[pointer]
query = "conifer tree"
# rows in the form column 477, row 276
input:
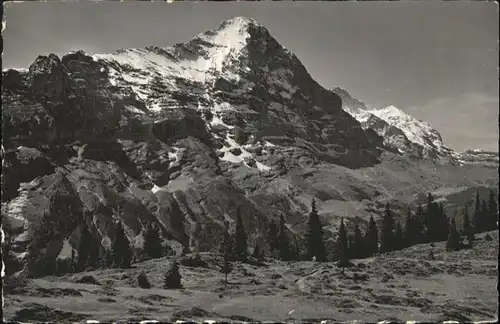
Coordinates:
column 443, row 223
column 107, row 258
column 371, row 238
column 398, row 237
column 172, row 279
column 84, row 248
column 94, row 248
column 226, row 252
column 196, row 236
column 227, row 243
column 420, row 231
column 428, row 208
column 409, row 231
column 440, row 223
column 73, row 261
column 467, row 229
column 122, row 254
column 477, row 217
column 273, row 237
column 350, row 247
column 485, row 214
column 294, row 250
column 358, row 242
column 453, row 242
column 257, row 252
column 431, row 219
column 240, row 244
column 314, row 235
column 102, row 257
column 142, row 280
column 342, row 252
column 152, row 243
column 492, row 211
column 283, row 241
column 387, row 231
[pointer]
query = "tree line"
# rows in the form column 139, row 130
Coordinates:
column 428, row 223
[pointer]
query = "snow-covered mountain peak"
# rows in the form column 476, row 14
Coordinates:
column 238, row 23
column 400, row 130
column 398, row 116
column 232, row 33
column 239, row 51
column 416, row 130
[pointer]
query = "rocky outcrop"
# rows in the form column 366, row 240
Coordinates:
column 23, row 165
column 44, row 214
column 48, row 78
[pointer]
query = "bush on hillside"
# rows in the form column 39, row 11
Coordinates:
column 142, row 280
column 172, row 278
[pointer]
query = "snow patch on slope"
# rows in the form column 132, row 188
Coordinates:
column 134, row 109
column 230, row 157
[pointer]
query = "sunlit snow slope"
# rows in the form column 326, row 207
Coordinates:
column 400, row 130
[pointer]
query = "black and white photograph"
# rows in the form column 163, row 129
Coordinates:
column 250, row 161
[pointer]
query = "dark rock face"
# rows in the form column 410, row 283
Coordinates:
column 47, row 78
column 23, row 165
column 290, row 103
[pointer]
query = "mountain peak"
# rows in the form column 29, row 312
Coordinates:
column 391, row 108
column 230, row 36
column 238, row 22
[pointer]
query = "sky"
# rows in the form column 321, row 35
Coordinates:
column 437, row 61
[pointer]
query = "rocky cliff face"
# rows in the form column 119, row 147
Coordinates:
column 182, row 135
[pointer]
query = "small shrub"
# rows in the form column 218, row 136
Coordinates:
column 172, row 277
column 362, row 265
column 360, row 276
column 386, row 277
column 142, row 280
column 108, row 288
column 488, row 237
column 88, row 279
column 195, row 262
